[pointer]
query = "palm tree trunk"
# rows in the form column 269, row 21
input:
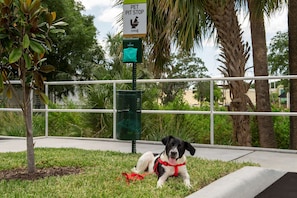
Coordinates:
column 265, row 123
column 292, row 20
column 234, row 57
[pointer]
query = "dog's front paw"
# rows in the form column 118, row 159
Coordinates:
column 160, row 184
column 134, row 170
column 187, row 184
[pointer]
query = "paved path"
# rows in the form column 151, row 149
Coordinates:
column 278, row 159
column 274, row 162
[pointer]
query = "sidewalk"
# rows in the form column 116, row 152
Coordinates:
column 278, row 159
column 274, row 162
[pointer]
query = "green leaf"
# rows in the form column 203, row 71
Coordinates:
column 47, row 68
column 24, row 6
column 4, row 60
column 48, row 44
column 42, row 24
column 41, row 60
column 55, row 31
column 60, row 23
column 2, row 36
column 27, row 61
column 28, row 79
column 44, row 98
column 15, row 55
column 37, row 47
column 35, row 5
column 26, row 41
column 41, row 36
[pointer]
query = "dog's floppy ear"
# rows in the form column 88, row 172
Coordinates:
column 166, row 139
column 190, row 148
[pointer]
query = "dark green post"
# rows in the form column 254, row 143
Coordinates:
column 132, row 53
column 134, row 88
column 134, row 25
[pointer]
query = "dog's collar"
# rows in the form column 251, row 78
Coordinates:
column 168, row 164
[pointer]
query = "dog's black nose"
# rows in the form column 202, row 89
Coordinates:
column 173, row 153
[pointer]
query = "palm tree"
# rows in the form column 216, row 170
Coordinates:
column 158, row 41
column 265, row 123
column 187, row 22
column 292, row 22
column 234, row 57
column 198, row 21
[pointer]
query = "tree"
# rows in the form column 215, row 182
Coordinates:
column 292, row 23
column 72, row 51
column 265, row 123
column 181, row 65
column 202, row 92
column 24, row 41
column 278, row 57
column 234, row 56
column 114, row 44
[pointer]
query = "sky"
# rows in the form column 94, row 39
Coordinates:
column 106, row 22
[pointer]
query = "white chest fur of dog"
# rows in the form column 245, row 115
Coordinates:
column 171, row 162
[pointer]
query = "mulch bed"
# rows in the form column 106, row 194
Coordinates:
column 22, row 174
column 285, row 187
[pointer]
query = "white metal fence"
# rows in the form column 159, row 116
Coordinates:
column 211, row 112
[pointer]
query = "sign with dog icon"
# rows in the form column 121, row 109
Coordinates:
column 134, row 18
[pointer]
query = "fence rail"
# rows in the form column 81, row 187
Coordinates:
column 211, row 112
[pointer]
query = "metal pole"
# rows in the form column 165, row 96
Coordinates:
column 114, row 110
column 211, row 113
column 46, row 112
column 134, row 88
column 134, row 77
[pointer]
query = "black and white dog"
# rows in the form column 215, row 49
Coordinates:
column 171, row 162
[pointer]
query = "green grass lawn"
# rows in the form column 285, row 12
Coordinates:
column 101, row 175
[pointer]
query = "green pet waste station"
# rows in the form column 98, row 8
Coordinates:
column 128, row 102
column 128, row 115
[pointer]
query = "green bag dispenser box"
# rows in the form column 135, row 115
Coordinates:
column 132, row 50
column 128, row 115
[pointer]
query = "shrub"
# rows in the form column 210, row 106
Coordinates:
column 67, row 124
column 192, row 127
column 12, row 124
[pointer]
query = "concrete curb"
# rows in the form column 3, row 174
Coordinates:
column 246, row 182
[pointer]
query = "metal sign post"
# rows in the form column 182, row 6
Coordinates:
column 134, row 23
column 134, row 88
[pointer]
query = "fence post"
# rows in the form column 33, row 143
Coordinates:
column 114, row 110
column 46, row 112
column 211, row 113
